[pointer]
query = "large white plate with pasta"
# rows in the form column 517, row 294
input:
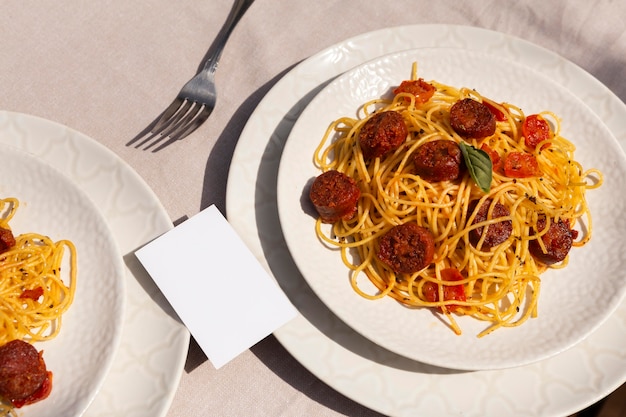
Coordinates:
column 81, row 355
column 145, row 372
column 573, row 302
column 335, row 353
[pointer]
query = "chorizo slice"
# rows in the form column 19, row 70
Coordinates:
column 496, row 233
column 439, row 160
column 557, row 241
column 472, row 119
column 335, row 196
column 383, row 133
column 22, row 371
column 7, row 240
column 407, row 248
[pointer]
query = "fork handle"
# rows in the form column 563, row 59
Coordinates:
column 237, row 11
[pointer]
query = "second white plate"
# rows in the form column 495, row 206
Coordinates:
column 574, row 301
column 146, row 370
column 335, row 353
column 81, row 355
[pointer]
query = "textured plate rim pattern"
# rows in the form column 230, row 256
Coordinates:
column 150, row 356
column 83, row 352
column 419, row 335
column 367, row 375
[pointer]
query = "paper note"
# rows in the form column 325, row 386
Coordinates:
column 220, row 291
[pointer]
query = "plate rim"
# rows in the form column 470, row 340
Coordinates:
column 134, row 298
column 289, row 220
column 289, row 336
column 119, row 307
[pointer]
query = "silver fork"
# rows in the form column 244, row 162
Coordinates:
column 196, row 100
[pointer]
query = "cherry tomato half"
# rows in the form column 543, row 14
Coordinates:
column 521, row 165
column 535, row 130
column 422, row 90
column 496, row 161
column 450, row 292
column 500, row 116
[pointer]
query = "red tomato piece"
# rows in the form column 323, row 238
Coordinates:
column 535, row 130
column 499, row 114
column 496, row 161
column 422, row 90
column 521, row 165
column 430, row 291
column 450, row 292
column 33, row 294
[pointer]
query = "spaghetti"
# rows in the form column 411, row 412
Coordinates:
column 534, row 181
column 33, row 292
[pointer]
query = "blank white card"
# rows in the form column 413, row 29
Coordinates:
column 220, row 291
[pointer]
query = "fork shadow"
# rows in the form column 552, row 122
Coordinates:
column 147, row 138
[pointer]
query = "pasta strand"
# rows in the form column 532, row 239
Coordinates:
column 502, row 284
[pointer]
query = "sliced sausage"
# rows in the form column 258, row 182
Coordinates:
column 335, row 196
column 439, row 160
column 382, row 133
column 472, row 119
column 497, row 232
column 22, row 371
column 407, row 248
column 557, row 240
column 7, row 240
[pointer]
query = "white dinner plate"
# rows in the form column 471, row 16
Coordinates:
column 574, row 301
column 148, row 365
column 81, row 355
column 339, row 356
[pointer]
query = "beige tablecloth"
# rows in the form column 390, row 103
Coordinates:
column 108, row 68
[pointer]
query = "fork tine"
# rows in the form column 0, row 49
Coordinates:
column 167, row 124
column 196, row 122
column 191, row 126
column 151, row 141
column 146, row 140
column 173, row 118
column 168, row 113
column 165, row 115
column 191, row 123
column 179, row 121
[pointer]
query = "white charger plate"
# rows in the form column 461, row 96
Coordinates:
column 82, row 353
column 335, row 353
column 574, row 301
column 146, row 370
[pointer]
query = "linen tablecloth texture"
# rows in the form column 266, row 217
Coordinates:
column 108, row 68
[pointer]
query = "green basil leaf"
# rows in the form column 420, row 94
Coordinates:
column 479, row 164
